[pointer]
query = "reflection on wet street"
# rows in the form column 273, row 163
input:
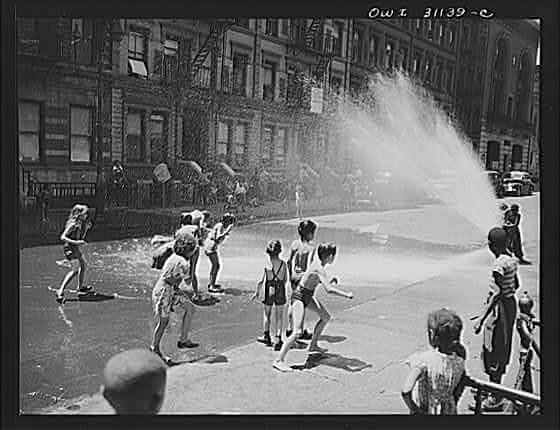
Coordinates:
column 63, row 348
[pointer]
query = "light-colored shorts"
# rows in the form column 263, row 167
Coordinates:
column 165, row 299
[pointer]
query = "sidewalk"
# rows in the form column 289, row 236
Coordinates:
column 362, row 372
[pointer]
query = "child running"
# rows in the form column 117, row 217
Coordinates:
column 303, row 298
column 498, row 316
column 168, row 297
column 215, row 238
column 301, row 256
column 134, row 382
column 274, row 280
column 75, row 231
column 437, row 376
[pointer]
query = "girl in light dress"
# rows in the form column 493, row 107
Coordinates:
column 437, row 377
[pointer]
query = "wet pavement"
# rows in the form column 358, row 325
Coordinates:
column 63, row 348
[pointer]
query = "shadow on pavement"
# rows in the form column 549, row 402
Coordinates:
column 333, row 360
column 95, row 297
column 235, row 292
column 206, row 300
column 332, row 339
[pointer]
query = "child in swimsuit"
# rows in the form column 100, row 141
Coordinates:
column 274, row 281
column 303, row 298
column 215, row 238
column 301, row 256
column 77, row 225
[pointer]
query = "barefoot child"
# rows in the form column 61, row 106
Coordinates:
column 525, row 325
column 215, row 238
column 301, row 256
column 168, row 297
column 437, row 375
column 498, row 316
column 75, row 231
column 134, row 382
column 274, row 281
column 303, row 298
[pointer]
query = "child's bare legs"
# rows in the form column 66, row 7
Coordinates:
column 279, row 321
column 215, row 268
column 81, row 273
column 160, row 326
column 186, row 323
column 298, row 312
column 69, row 276
column 266, row 318
column 324, row 318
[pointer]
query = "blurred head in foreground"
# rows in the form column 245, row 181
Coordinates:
column 134, row 382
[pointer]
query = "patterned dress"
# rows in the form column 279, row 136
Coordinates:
column 440, row 375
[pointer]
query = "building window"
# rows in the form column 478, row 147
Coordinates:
column 223, row 132
column 356, row 45
column 29, row 128
column 266, row 147
column 516, row 156
column 338, row 38
column 389, row 54
column 466, row 36
column 336, row 85
column 170, row 55
column 418, row 26
column 416, row 63
column 269, row 81
column 449, row 79
column 441, row 34
column 372, row 50
column 430, row 29
column 137, row 54
column 242, row 22
column 240, row 64
column 403, row 57
column 134, row 136
column 82, row 41
column 510, row 107
column 452, row 37
column 271, row 27
column 239, row 140
column 428, row 70
column 158, row 141
column 281, row 147
column 81, row 131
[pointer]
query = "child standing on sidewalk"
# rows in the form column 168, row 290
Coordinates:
column 436, row 375
column 274, row 281
column 498, row 316
column 525, row 325
column 168, row 297
column 73, row 236
column 301, row 256
column 215, row 238
column 303, row 298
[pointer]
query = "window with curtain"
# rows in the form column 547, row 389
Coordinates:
column 81, row 132
column 29, row 130
column 134, row 136
column 223, row 132
column 269, row 80
column 239, row 139
column 266, row 146
column 158, row 141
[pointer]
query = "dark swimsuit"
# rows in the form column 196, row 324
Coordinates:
column 73, row 252
column 274, row 290
column 304, row 295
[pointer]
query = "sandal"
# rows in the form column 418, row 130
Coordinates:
column 85, row 290
column 281, row 366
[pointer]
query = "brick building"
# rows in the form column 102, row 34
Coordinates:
column 495, row 84
column 250, row 93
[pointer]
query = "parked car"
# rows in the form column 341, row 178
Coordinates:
column 496, row 182
column 518, row 183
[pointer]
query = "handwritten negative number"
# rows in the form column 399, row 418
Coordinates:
column 450, row 12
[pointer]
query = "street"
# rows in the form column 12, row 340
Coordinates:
column 381, row 255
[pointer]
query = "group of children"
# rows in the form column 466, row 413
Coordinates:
column 304, row 271
column 437, row 377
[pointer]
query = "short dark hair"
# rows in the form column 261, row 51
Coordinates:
column 497, row 236
column 274, row 247
column 186, row 218
column 306, row 227
column 228, row 218
column 324, row 250
column 446, row 327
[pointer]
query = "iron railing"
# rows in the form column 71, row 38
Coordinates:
column 524, row 402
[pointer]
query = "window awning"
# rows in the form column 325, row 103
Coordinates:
column 307, row 169
column 137, row 67
column 193, row 165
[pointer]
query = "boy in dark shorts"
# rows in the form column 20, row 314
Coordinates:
column 498, row 316
column 301, row 256
column 304, row 298
column 134, row 382
column 512, row 218
column 274, row 281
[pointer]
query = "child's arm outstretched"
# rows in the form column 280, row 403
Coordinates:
column 407, row 388
column 331, row 289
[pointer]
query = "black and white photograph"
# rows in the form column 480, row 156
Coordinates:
column 284, row 215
